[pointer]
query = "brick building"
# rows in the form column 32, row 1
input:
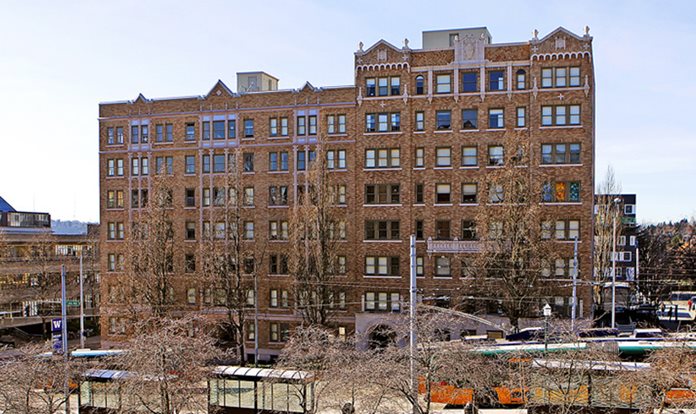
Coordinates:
column 408, row 145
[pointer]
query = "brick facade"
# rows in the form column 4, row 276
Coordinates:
column 559, row 51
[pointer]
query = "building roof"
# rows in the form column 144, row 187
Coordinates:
column 5, row 206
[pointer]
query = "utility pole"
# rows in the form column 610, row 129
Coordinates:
column 256, row 319
column 82, row 307
column 64, row 336
column 575, row 285
column 412, row 325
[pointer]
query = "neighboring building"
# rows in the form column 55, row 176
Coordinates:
column 409, row 143
column 626, row 235
column 30, row 260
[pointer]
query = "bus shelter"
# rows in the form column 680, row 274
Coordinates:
column 243, row 390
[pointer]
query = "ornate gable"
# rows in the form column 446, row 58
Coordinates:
column 219, row 89
column 561, row 44
column 382, row 55
column 140, row 99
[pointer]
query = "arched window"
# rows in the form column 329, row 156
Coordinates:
column 420, row 85
column 521, row 79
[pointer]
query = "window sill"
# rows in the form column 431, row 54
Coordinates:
column 562, row 203
column 443, row 168
column 419, row 132
column 560, row 165
column 468, row 204
column 383, row 205
column 278, row 240
column 418, row 168
column 337, row 134
column 282, row 206
column 248, row 173
column 521, row 128
column 189, row 207
column 443, row 131
column 381, row 277
column 278, row 172
column 279, row 137
column 115, row 209
column 560, row 127
column 337, row 169
column 419, row 205
column 442, row 277
column 495, row 166
column 472, row 167
column 470, row 130
column 383, row 169
column 495, row 129
column 376, row 133
column 443, row 205
column 383, row 241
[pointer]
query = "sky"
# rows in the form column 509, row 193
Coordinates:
column 59, row 59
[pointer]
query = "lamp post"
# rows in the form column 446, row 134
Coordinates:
column 547, row 313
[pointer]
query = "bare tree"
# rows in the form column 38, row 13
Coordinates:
column 167, row 367
column 150, row 250
column 231, row 259
column 513, row 254
column 33, row 381
column 315, row 229
column 607, row 214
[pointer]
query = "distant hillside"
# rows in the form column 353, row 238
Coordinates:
column 69, row 227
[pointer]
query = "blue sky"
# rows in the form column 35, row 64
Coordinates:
column 58, row 60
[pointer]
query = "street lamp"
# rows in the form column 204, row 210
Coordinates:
column 616, row 202
column 547, row 313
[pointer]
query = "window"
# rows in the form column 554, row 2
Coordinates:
column 443, row 84
column 219, row 163
column 469, row 193
column 232, row 129
column 469, row 82
column 443, row 157
column 632, row 240
column 382, row 158
column 205, row 197
column 220, row 230
column 521, row 79
column 622, row 241
column 560, row 153
column 469, row 156
column 301, row 125
column 218, row 129
column 420, row 197
column 496, row 193
column 420, row 121
column 336, row 124
column 250, row 332
column 144, row 166
column 420, row 266
column 496, row 118
column 164, row 165
column 338, row 194
column 248, row 196
column 115, row 231
column 560, row 191
column 336, row 159
column 273, row 127
column 248, row 161
column 470, row 118
column 278, row 264
column 382, row 230
column 114, row 199
column 420, row 85
column 419, row 230
column 206, row 164
column 190, row 230
column 382, row 302
column 190, row 164
column 444, row 120
column 419, row 161
column 206, row 130
column 110, row 135
column 278, row 230
column 443, row 193
column 496, row 81
column 248, row 128
column 567, row 229
column 370, row 87
column 560, row 77
column 560, row 115
column 468, row 230
column 496, row 155
column 278, row 195
column 629, row 209
column 190, row 197
column 395, row 85
column 278, row 161
column 135, row 130
column 383, row 122
column 382, row 194
column 442, row 230
column 521, row 117
column 382, row 86
column 442, row 266
column 249, row 230
column 382, row 266
column 280, row 332
column 495, row 230
column 190, row 132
